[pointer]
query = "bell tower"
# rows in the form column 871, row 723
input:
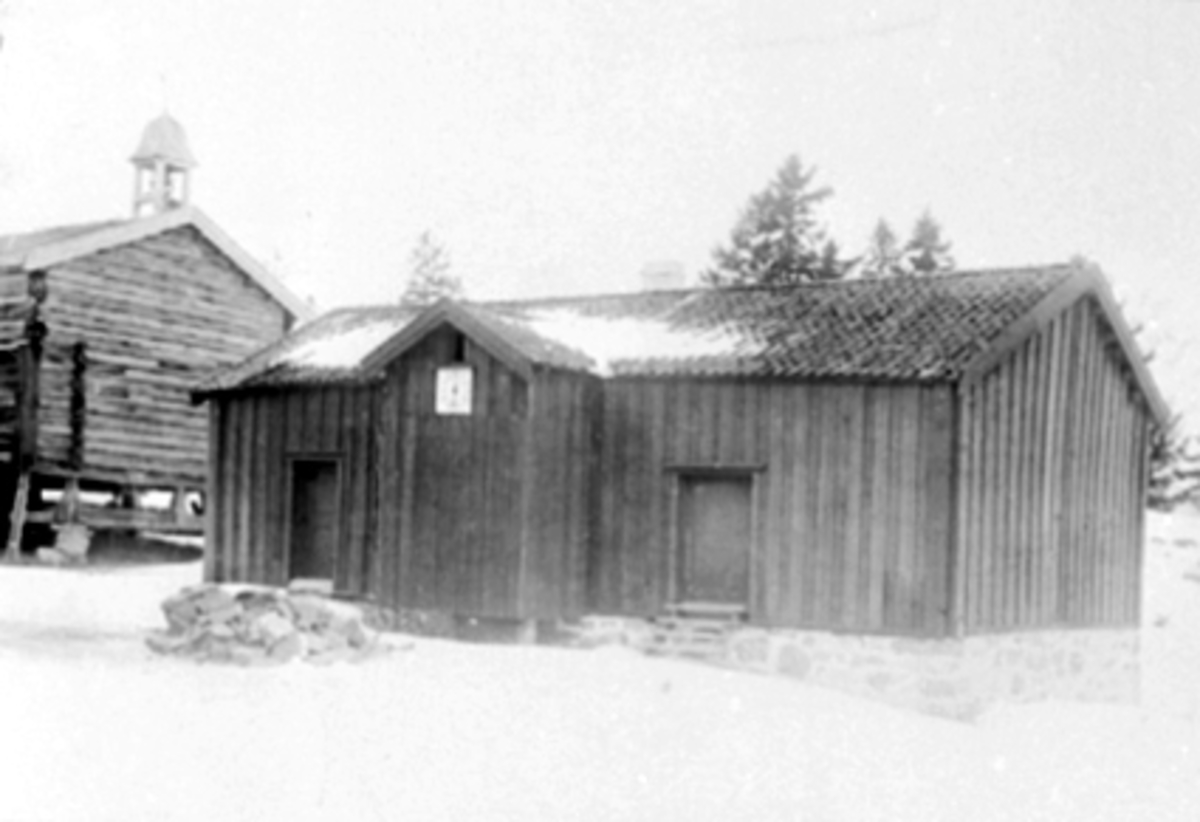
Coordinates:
column 162, row 167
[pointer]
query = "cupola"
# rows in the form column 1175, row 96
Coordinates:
column 162, row 166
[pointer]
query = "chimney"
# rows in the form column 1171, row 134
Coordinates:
column 162, row 165
column 663, row 275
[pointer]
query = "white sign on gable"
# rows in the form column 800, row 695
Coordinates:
column 454, row 390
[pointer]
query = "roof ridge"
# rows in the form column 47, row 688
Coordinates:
column 1047, row 268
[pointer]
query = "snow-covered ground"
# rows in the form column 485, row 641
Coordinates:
column 93, row 727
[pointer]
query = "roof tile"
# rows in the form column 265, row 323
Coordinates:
column 908, row 329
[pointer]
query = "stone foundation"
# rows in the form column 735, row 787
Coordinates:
column 956, row 678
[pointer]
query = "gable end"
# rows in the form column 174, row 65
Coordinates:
column 1088, row 284
column 447, row 313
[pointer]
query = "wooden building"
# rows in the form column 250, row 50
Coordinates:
column 929, row 457
column 104, row 328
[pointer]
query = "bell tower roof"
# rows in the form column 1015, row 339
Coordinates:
column 164, row 139
column 162, row 167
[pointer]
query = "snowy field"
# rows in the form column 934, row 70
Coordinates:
column 93, row 727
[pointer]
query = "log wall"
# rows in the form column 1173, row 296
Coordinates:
column 1052, row 479
column 10, row 395
column 156, row 315
column 852, row 484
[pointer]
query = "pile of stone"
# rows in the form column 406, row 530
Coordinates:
column 70, row 546
column 252, row 625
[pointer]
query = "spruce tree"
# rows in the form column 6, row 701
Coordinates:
column 1174, row 469
column 778, row 239
column 429, row 278
column 883, row 257
column 926, row 253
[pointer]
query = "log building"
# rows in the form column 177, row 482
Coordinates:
column 104, row 327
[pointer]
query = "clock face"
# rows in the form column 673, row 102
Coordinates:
column 454, row 390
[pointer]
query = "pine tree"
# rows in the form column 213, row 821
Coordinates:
column 1174, row 469
column 832, row 265
column 883, row 257
column 777, row 240
column 926, row 253
column 429, row 278
column 1174, row 456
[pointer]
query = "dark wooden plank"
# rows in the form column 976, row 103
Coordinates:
column 727, row 423
column 1033, row 396
column 936, row 512
column 1118, row 477
column 259, row 490
column 1111, row 429
column 1066, row 595
column 654, row 488
column 213, row 510
column 1003, row 545
column 611, row 553
column 392, row 472
column 850, row 511
column 411, row 567
column 275, row 480
column 867, row 511
column 992, row 580
column 803, row 527
column 581, row 480
column 1087, row 512
column 964, row 512
column 230, row 450
column 779, row 605
column 1128, row 496
column 1035, row 460
column 821, row 444
column 244, row 488
column 1013, row 508
column 1055, row 444
column 970, row 548
column 911, row 566
column 883, row 494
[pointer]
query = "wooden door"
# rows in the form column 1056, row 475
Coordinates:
column 715, row 534
column 314, row 518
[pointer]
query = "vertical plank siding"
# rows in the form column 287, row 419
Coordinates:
column 820, row 556
column 1050, row 484
column 558, row 535
column 254, row 437
column 1008, row 502
column 487, row 514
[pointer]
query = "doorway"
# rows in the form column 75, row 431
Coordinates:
column 715, row 533
column 315, row 515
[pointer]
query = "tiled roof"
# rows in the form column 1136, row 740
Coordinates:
column 905, row 329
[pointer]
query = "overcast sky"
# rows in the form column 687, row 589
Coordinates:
column 555, row 147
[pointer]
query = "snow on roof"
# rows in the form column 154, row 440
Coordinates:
column 344, row 349
column 327, row 349
column 607, row 340
column 49, row 247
